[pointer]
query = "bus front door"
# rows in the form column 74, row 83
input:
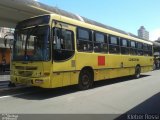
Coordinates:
column 63, row 55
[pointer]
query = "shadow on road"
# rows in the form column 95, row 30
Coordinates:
column 144, row 110
column 41, row 94
column 116, row 80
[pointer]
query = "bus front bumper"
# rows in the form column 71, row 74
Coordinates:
column 43, row 82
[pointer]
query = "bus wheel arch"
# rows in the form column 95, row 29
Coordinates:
column 86, row 78
column 137, row 71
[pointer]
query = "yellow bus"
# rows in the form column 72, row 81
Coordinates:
column 55, row 50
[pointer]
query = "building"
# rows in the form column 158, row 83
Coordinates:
column 158, row 40
column 6, row 37
column 143, row 33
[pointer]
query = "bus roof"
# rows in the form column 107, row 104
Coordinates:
column 90, row 24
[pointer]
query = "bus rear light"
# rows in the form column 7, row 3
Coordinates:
column 38, row 81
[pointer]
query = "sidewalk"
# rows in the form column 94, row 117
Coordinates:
column 4, row 76
column 5, row 73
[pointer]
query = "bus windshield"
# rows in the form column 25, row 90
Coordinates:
column 31, row 44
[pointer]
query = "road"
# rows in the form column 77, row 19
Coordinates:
column 116, row 96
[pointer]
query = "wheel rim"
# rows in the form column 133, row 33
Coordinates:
column 85, row 80
column 138, row 73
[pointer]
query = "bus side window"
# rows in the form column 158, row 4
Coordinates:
column 140, row 48
column 145, row 50
column 150, row 50
column 114, row 45
column 100, row 43
column 84, row 40
column 133, row 50
column 63, row 44
column 124, row 46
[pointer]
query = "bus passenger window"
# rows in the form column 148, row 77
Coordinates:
column 140, row 49
column 133, row 50
column 124, row 46
column 114, row 45
column 150, row 50
column 84, row 40
column 145, row 50
column 100, row 43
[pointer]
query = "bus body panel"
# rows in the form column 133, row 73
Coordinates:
column 64, row 73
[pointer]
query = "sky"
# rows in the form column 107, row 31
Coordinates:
column 127, row 15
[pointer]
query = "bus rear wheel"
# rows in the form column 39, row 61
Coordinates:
column 137, row 72
column 85, row 80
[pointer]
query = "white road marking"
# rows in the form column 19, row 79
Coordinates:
column 7, row 96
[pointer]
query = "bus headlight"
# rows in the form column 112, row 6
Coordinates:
column 38, row 81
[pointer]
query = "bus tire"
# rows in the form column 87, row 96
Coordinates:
column 85, row 79
column 137, row 72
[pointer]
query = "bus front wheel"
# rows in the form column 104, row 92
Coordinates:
column 85, row 79
column 137, row 72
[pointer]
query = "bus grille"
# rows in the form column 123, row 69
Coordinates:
column 26, row 68
column 25, row 73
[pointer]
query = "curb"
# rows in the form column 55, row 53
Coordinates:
column 6, row 81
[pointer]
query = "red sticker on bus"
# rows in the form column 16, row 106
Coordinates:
column 101, row 60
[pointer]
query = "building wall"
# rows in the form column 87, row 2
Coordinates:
column 5, row 52
column 143, row 33
column 4, row 31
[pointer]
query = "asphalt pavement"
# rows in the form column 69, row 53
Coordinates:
column 4, row 79
column 5, row 76
column 116, row 96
